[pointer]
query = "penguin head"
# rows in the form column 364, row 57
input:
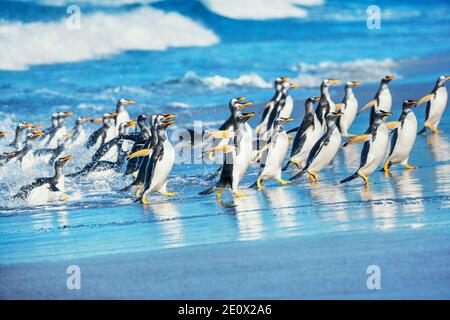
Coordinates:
column 409, row 104
column 281, row 121
column 232, row 103
column 332, row 116
column 329, row 82
column 380, row 115
column 279, row 81
column 351, row 84
column 124, row 102
column 32, row 136
column 61, row 161
column 243, row 117
column 141, row 120
column 24, row 125
column 441, row 80
column 387, row 79
column 285, row 86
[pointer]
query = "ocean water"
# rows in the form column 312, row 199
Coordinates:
column 190, row 58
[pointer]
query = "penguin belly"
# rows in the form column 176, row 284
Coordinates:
column 349, row 115
column 163, row 168
column 385, row 101
column 111, row 154
column 27, row 162
column 406, row 136
column 437, row 107
column 376, row 151
column 80, row 138
column 275, row 157
column 327, row 153
column 242, row 159
column 38, row 195
column 122, row 117
column 286, row 111
column 312, row 136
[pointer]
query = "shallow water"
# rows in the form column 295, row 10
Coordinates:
column 196, row 83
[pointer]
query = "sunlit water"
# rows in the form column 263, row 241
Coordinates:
column 196, row 83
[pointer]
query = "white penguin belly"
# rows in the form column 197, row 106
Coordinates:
column 385, row 101
column 406, row 136
column 437, row 107
column 38, row 195
column 275, row 157
column 163, row 168
column 349, row 114
column 376, row 151
column 287, row 109
column 122, row 117
column 327, row 153
column 312, row 136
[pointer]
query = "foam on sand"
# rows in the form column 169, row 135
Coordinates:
column 260, row 10
column 101, row 34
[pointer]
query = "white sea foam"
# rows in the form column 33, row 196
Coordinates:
column 364, row 70
column 100, row 35
column 260, row 10
column 217, row 81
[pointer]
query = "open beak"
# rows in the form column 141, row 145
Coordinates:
column 241, row 98
column 294, row 85
column 249, row 103
column 356, row 83
column 285, row 79
column 168, row 123
column 389, row 77
column 169, row 116
column 338, row 114
column 65, row 159
column 248, row 115
column 131, row 123
column 334, row 81
column 387, row 113
column 37, row 134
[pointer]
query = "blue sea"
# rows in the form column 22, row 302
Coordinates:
column 190, row 58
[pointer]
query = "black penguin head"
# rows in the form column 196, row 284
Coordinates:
column 387, row 79
column 141, row 120
column 238, row 104
column 409, row 104
column 441, row 80
column 332, row 116
column 285, row 86
column 329, row 82
column 380, row 115
column 234, row 102
column 351, row 84
column 279, row 81
column 24, row 125
column 61, row 161
column 32, row 136
column 124, row 102
column 281, row 121
column 243, row 117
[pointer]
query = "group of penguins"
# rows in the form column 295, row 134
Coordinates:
column 148, row 155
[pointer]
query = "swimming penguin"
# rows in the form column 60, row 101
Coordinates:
column 122, row 114
column 17, row 142
column 45, row 190
column 79, row 132
column 48, row 132
column 237, row 157
column 49, row 155
column 375, row 143
column 25, row 155
column 348, row 108
column 324, row 150
column 436, row 104
column 403, row 137
column 272, row 158
column 100, row 135
column 160, row 164
column 261, row 128
column 382, row 100
column 60, row 131
column 307, row 135
column 326, row 104
column 141, row 139
column 110, row 146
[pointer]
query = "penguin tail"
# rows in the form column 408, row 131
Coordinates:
column 253, row 185
column 424, row 129
column 298, row 175
column 128, row 187
column 353, row 176
column 208, row 191
column 215, row 174
column 286, row 166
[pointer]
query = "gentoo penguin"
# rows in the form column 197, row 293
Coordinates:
column 141, row 139
column 375, row 143
column 238, row 154
column 326, row 104
column 403, row 137
column 48, row 132
column 79, row 133
column 101, row 134
column 348, row 108
column 382, row 100
column 25, row 155
column 261, row 128
column 17, row 142
column 307, row 135
column 122, row 114
column 437, row 102
column 60, row 131
column 323, row 150
column 160, row 164
column 44, row 190
column 272, row 158
column 112, row 151
column 49, row 155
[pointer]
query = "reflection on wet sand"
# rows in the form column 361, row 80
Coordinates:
column 283, row 204
column 440, row 151
column 331, row 196
column 408, row 187
column 382, row 205
column 248, row 214
column 63, row 221
column 168, row 217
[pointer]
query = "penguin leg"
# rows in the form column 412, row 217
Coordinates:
column 387, row 166
column 237, row 194
column 434, row 129
column 258, row 184
column 365, row 178
column 219, row 193
column 313, row 177
column 297, row 163
column 139, row 190
column 144, row 198
column 280, row 180
column 407, row 166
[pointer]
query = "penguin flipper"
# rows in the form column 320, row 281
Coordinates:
column 353, row 176
column 208, row 191
column 292, row 130
column 424, row 130
column 298, row 175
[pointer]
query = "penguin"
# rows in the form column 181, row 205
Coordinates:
column 326, row 104
column 160, row 164
column 348, row 108
column 2, row 134
column 403, row 137
column 48, row 132
column 375, row 141
column 111, row 150
column 79, row 133
column 262, row 126
column 382, row 100
column 101, row 134
column 60, row 131
column 122, row 114
column 436, row 104
column 144, row 135
column 307, row 135
column 25, row 155
column 324, row 150
column 272, row 158
column 17, row 143
column 45, row 190
column 237, row 155
column 49, row 155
